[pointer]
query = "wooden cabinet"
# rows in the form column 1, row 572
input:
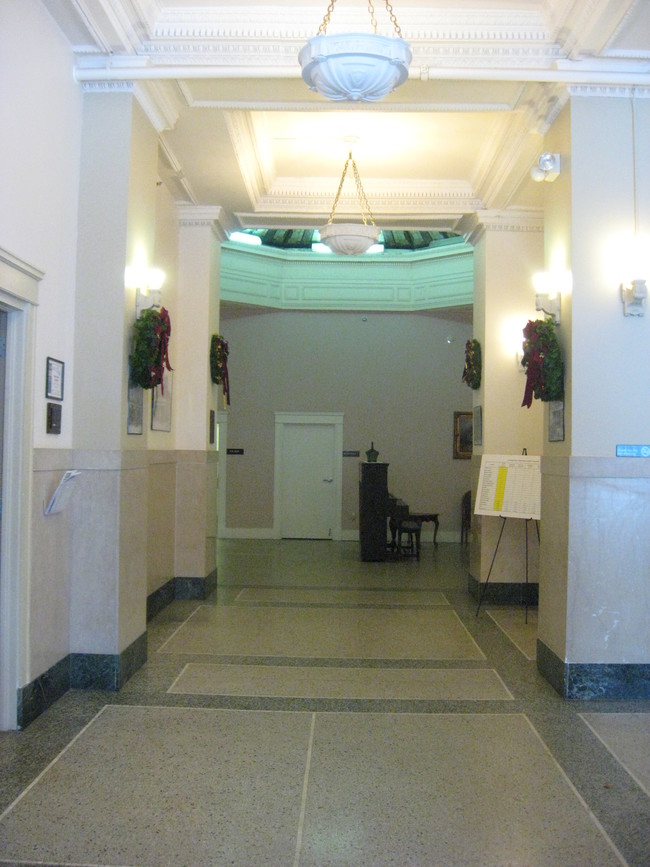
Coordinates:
column 373, row 510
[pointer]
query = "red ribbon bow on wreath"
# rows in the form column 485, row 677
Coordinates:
column 162, row 329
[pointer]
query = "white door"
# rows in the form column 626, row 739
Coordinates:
column 308, row 479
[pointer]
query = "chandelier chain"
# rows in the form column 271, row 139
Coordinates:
column 373, row 20
column 366, row 213
column 365, row 207
column 393, row 19
column 322, row 30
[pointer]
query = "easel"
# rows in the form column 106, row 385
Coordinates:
column 509, row 486
column 484, row 588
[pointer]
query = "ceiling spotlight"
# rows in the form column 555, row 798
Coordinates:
column 547, row 167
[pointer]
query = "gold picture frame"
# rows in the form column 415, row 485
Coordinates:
column 463, row 433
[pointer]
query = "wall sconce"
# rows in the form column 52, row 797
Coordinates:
column 549, row 304
column 147, row 282
column 547, row 298
column 633, row 296
column 547, row 167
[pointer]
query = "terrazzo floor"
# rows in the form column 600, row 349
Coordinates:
column 317, row 710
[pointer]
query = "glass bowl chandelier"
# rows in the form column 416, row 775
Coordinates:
column 351, row 239
column 358, row 67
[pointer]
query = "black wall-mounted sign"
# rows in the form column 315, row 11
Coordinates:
column 234, row 451
column 351, row 453
column 53, row 423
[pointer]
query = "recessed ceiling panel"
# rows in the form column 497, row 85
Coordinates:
column 400, row 145
column 414, row 95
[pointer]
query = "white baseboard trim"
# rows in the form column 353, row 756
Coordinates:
column 448, row 536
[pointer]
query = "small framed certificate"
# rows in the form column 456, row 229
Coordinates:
column 54, row 379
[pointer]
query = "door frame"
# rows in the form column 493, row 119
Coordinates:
column 18, row 297
column 222, row 447
column 282, row 420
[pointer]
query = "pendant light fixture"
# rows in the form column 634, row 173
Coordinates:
column 360, row 67
column 351, row 239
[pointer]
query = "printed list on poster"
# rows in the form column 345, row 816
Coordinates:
column 509, row 486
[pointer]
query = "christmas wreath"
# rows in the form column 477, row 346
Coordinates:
column 542, row 361
column 150, row 354
column 219, row 364
column 472, row 370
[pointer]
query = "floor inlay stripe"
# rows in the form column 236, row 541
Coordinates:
column 314, row 596
column 627, row 737
column 341, row 683
column 365, row 633
column 512, row 622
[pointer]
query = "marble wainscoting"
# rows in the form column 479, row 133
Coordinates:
column 103, row 671
column 593, row 638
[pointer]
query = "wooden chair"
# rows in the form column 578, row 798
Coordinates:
column 465, row 517
column 408, row 539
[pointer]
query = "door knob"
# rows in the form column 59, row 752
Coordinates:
column 328, row 480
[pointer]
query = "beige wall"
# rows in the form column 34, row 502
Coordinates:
column 395, row 377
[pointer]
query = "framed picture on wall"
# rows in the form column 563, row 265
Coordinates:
column 54, row 379
column 135, row 410
column 556, row 421
column 161, row 405
column 463, row 433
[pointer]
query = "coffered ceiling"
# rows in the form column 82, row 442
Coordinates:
column 240, row 131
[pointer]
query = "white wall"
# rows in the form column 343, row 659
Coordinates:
column 39, row 153
column 396, row 379
column 594, row 595
column 609, row 351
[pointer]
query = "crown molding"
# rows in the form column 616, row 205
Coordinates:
column 611, row 91
column 474, row 226
column 256, row 173
column 106, row 86
column 589, row 27
column 417, row 200
column 158, row 104
column 213, row 217
column 302, row 22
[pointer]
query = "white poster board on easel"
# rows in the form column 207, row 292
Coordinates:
column 509, row 486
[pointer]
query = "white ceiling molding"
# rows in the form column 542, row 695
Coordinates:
column 158, row 102
column 238, row 130
column 400, row 204
column 213, row 216
column 255, row 167
column 172, row 174
column 614, row 92
column 473, row 226
column 588, row 27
